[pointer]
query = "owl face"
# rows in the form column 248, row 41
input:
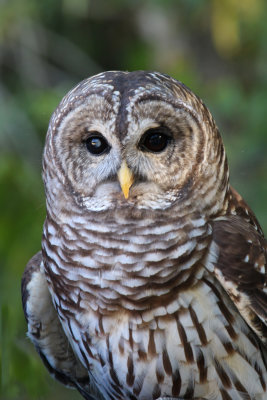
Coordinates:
column 127, row 140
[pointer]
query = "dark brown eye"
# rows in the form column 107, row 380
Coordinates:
column 155, row 140
column 96, row 144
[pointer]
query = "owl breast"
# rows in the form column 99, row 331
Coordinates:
column 127, row 263
column 140, row 310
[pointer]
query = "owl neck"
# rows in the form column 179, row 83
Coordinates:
column 124, row 260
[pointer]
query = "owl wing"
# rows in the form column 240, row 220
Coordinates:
column 46, row 332
column 238, row 258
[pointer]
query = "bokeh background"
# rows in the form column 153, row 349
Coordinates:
column 218, row 48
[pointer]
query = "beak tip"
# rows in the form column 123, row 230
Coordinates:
column 126, row 193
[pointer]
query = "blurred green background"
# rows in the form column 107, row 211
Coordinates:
column 218, row 48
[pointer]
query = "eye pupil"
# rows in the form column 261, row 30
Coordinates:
column 154, row 140
column 96, row 144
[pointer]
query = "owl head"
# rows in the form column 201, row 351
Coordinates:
column 134, row 140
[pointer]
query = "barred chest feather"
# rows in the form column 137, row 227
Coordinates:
column 144, row 315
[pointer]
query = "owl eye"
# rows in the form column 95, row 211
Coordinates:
column 96, row 144
column 155, row 140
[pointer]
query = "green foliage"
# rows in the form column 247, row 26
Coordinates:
column 217, row 48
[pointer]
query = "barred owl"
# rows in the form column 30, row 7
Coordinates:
column 151, row 282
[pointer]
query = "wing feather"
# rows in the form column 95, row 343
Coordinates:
column 46, row 332
column 239, row 254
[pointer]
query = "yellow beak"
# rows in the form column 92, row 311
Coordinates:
column 126, row 179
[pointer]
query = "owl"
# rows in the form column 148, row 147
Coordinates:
column 151, row 281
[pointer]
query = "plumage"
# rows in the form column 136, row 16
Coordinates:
column 151, row 283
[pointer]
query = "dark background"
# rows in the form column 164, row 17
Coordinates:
column 218, row 48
